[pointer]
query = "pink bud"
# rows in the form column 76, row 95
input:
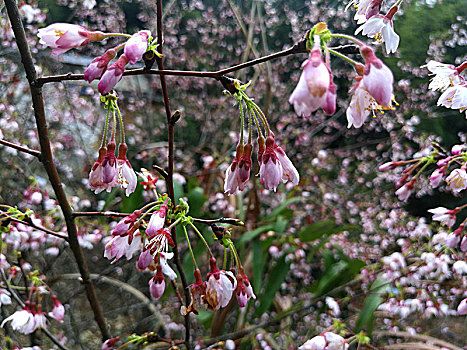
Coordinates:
column 464, row 244
column 388, row 166
column 112, row 76
column 437, row 176
column 136, row 46
column 157, row 284
column 457, row 149
column 58, row 311
column 98, row 66
column 462, row 308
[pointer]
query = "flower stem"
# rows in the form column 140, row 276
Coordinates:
column 348, row 37
column 122, row 127
column 108, row 35
column 202, row 238
column 189, row 248
column 106, row 127
column 344, row 57
column 241, row 121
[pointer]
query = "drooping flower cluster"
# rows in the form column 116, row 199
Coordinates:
column 372, row 92
column 274, row 164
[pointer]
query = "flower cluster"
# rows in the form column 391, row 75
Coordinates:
column 448, row 79
column 377, row 26
column 372, row 92
column 325, row 341
column 274, row 164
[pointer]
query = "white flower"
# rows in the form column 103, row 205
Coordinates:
column 381, row 28
column 166, row 269
column 315, row 343
column 445, row 75
column 455, row 97
column 21, row 321
column 443, row 215
column 457, row 180
column 333, row 305
column 4, row 297
column 219, row 289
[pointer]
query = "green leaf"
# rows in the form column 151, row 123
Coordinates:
column 258, row 266
column 178, row 191
column 196, row 200
column 133, row 202
column 252, row 234
column 276, row 277
column 282, row 207
column 372, row 301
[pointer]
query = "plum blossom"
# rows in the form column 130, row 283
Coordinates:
column 457, row 180
column 136, row 46
column 326, row 341
column 166, row 269
column 160, row 241
column 220, row 287
column 5, row 298
column 103, row 175
column 365, row 9
column 112, row 75
column 455, row 97
column 381, row 28
column 314, row 89
column 126, row 223
column 333, row 305
column 98, row 66
column 445, row 75
column 445, row 216
column 61, row 37
column 404, row 192
column 437, row 176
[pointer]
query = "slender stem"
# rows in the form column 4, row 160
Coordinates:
column 241, row 121
column 106, row 127
column 348, row 37
column 202, row 238
column 48, row 162
column 108, row 35
column 122, row 127
column 224, row 267
column 235, row 254
column 114, row 124
column 22, row 149
column 189, row 248
column 250, row 128
column 258, row 126
column 344, row 57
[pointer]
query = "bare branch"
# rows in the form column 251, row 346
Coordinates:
column 43, row 229
column 22, row 149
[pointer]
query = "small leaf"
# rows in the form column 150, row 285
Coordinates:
column 372, row 301
column 276, row 277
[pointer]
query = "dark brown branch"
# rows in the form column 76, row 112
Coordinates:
column 48, row 163
column 170, row 169
column 20, row 303
column 43, row 229
column 299, row 47
column 32, row 152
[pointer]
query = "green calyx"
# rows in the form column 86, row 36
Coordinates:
column 320, row 29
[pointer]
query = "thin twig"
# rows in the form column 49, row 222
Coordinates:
column 170, row 168
column 21, row 303
column 48, row 162
column 32, row 152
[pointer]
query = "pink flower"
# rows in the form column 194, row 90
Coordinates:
column 361, row 104
column 161, row 241
column 109, row 344
column 437, row 176
column 157, row 284
column 462, row 308
column 5, row 298
column 126, row 223
column 455, row 97
column 457, row 149
column 405, row 191
column 103, row 175
column 457, row 180
column 119, row 246
column 365, row 9
column 220, row 287
column 329, row 106
column 62, row 37
column 377, row 78
column 452, row 240
column 144, row 260
column 311, row 91
column 445, row 216
column 98, row 66
column 58, row 311
column 40, row 321
column 381, row 28
column 136, row 46
column 166, row 269
column 112, row 75
column 464, row 244
column 238, row 174
column 270, row 171
column 275, row 165
column 389, row 166
column 333, row 305
column 157, row 220
column 126, row 175
column 244, row 290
